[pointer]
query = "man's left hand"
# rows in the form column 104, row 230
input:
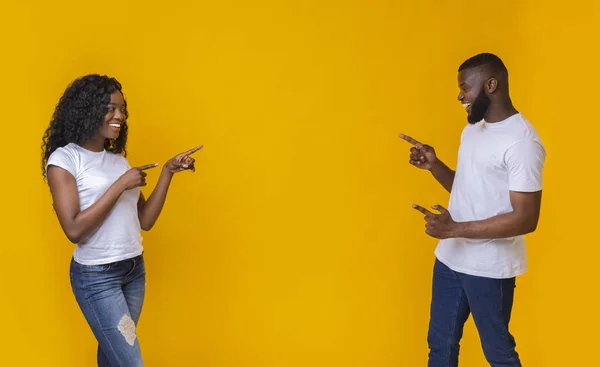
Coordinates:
column 438, row 225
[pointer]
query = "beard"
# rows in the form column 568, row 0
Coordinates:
column 479, row 108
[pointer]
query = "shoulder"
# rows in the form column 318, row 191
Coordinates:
column 66, row 157
column 524, row 134
column 520, row 129
column 63, row 151
column 525, row 145
column 68, row 153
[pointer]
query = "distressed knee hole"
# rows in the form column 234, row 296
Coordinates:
column 127, row 328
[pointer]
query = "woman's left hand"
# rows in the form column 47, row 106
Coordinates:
column 183, row 161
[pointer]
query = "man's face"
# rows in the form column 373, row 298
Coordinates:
column 472, row 94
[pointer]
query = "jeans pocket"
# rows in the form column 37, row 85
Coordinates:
column 95, row 269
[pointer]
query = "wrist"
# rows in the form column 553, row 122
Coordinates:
column 435, row 166
column 119, row 186
column 166, row 171
column 460, row 229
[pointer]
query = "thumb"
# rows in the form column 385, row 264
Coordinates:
column 426, row 149
column 423, row 148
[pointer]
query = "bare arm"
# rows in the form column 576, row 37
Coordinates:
column 77, row 224
column 423, row 156
column 443, row 174
column 149, row 210
column 522, row 220
column 525, row 160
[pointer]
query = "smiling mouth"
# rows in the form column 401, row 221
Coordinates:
column 116, row 126
column 467, row 106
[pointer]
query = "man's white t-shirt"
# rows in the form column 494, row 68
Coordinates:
column 118, row 237
column 493, row 159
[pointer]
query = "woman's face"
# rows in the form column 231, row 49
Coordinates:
column 115, row 118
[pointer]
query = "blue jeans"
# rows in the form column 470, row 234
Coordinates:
column 111, row 297
column 454, row 297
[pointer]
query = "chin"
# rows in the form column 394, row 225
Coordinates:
column 471, row 120
column 111, row 135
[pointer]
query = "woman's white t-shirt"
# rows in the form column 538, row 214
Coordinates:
column 118, row 237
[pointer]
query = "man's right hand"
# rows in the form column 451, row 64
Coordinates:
column 421, row 155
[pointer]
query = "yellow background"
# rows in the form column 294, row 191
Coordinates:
column 294, row 244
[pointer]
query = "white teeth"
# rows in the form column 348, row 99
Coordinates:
column 115, row 125
column 466, row 104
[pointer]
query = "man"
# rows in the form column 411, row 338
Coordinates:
column 495, row 197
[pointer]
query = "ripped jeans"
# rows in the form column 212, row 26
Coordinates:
column 111, row 297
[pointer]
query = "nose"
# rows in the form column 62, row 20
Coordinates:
column 118, row 115
column 460, row 96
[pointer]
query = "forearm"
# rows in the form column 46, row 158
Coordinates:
column 153, row 206
column 500, row 226
column 443, row 174
column 89, row 219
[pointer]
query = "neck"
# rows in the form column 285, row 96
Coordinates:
column 500, row 111
column 95, row 144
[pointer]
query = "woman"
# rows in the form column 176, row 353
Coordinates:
column 97, row 199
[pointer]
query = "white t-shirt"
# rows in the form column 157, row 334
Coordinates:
column 119, row 236
column 493, row 159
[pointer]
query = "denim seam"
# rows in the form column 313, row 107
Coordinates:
column 97, row 320
column 504, row 339
column 452, row 334
column 133, row 268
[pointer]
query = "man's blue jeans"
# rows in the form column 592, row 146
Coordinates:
column 454, row 297
column 111, row 297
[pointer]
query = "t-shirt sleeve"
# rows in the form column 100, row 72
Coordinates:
column 126, row 163
column 525, row 162
column 64, row 159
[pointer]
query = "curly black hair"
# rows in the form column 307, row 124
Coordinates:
column 79, row 115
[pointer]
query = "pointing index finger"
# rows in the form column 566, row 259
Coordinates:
column 148, row 166
column 193, row 150
column 409, row 139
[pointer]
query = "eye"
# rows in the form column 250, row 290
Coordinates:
column 111, row 109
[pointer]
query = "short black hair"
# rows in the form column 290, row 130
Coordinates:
column 483, row 59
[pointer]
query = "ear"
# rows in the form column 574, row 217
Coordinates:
column 491, row 85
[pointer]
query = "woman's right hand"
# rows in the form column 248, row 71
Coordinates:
column 135, row 177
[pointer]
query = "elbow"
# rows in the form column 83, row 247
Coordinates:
column 533, row 227
column 73, row 237
column 530, row 226
column 146, row 226
column 74, row 233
